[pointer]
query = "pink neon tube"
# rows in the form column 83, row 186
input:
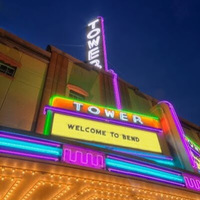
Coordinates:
column 180, row 131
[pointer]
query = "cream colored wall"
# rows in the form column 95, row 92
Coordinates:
column 19, row 96
column 139, row 104
column 86, row 80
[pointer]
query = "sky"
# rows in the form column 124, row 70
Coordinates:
column 154, row 45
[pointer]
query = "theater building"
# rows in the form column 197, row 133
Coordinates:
column 74, row 130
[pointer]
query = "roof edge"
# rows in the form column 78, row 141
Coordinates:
column 22, row 45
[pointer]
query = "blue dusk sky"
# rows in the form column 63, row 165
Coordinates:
column 154, row 45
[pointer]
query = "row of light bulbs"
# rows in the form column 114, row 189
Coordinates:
column 40, row 183
column 86, row 180
column 12, row 189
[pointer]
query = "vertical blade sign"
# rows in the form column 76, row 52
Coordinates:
column 96, row 49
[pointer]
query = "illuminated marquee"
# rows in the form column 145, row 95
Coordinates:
column 95, row 131
column 96, row 50
column 83, row 121
column 108, row 113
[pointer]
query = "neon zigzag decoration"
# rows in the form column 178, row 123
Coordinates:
column 83, row 157
column 192, row 182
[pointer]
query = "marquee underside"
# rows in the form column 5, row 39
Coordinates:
column 30, row 179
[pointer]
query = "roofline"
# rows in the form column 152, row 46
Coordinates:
column 14, row 41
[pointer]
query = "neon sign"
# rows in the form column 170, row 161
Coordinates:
column 83, row 121
column 105, row 112
column 83, row 157
column 96, row 50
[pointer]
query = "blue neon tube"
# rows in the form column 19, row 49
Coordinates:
column 28, row 146
column 116, row 164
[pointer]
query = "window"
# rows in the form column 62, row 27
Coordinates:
column 8, row 70
column 76, row 95
column 76, row 92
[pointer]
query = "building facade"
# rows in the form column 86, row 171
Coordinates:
column 69, row 130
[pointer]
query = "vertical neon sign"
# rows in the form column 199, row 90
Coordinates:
column 96, row 52
column 96, row 46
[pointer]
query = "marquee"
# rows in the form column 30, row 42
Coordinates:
column 89, row 122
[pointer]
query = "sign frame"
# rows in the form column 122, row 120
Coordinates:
column 50, row 111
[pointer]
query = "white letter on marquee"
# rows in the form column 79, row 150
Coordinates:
column 78, row 106
column 93, row 110
column 123, row 116
column 137, row 119
column 109, row 113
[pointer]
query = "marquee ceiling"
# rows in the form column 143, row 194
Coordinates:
column 37, row 180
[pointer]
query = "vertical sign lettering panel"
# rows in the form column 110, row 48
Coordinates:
column 96, row 50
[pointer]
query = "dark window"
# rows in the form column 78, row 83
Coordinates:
column 76, row 95
column 8, row 70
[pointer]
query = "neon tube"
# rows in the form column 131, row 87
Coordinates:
column 104, row 43
column 145, row 176
column 131, row 152
column 116, row 164
column 31, row 155
column 192, row 182
column 160, row 159
column 162, row 162
column 193, row 143
column 16, row 144
column 142, row 154
column 27, row 139
column 83, row 157
column 48, row 121
column 149, row 165
column 195, row 152
column 62, row 111
column 180, row 131
column 116, row 90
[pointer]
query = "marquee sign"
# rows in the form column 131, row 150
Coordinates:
column 105, row 112
column 96, row 48
column 84, row 121
column 95, row 131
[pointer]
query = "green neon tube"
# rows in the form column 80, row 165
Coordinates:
column 194, row 143
column 48, row 122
